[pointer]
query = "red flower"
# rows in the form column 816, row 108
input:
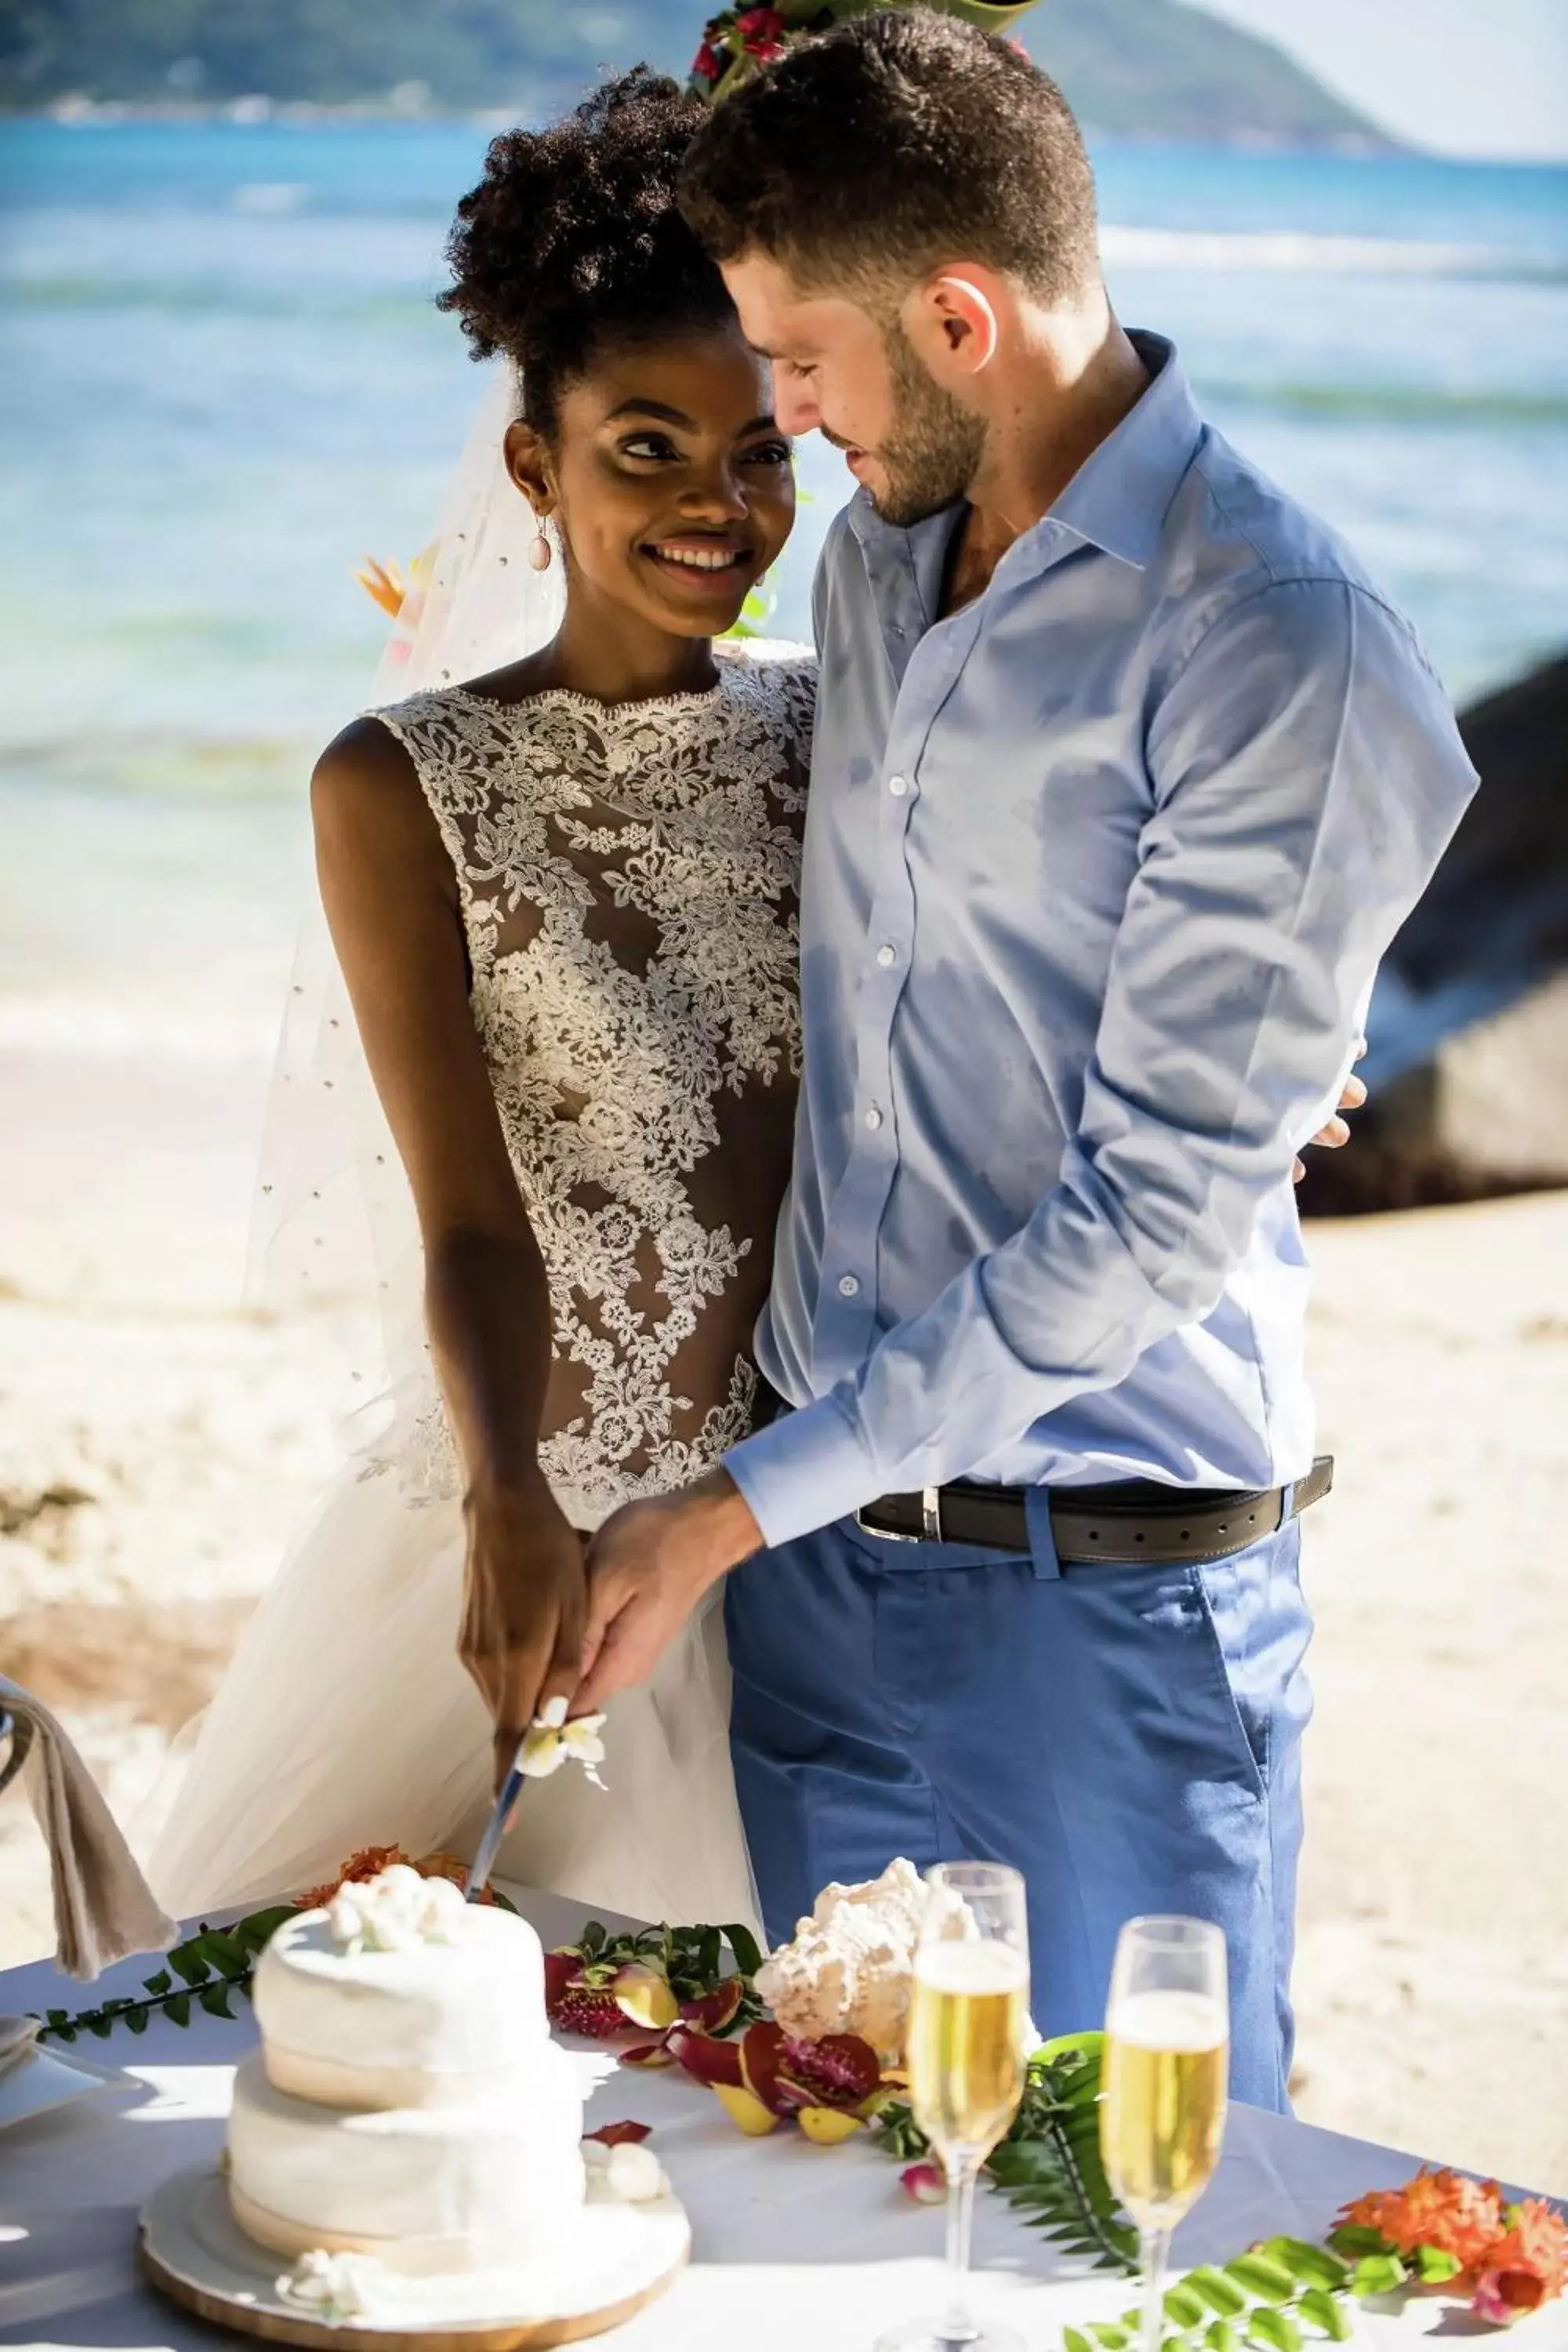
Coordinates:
column 762, row 32
column 1525, row 2267
column 708, row 65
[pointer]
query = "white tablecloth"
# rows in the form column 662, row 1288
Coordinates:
column 794, row 2246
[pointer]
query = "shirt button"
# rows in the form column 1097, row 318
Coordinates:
column 898, row 786
column 848, row 1286
column 887, row 956
column 873, row 1118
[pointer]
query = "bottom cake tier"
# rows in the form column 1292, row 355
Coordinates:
column 472, row 2186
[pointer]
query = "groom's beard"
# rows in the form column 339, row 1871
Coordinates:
column 932, row 453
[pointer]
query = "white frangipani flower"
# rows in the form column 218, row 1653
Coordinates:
column 551, row 1741
column 335, row 2287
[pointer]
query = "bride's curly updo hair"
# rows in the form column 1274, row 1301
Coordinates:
column 573, row 242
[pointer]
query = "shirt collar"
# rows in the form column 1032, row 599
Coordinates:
column 1117, row 500
column 1120, row 495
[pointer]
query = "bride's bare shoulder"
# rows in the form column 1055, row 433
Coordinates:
column 364, row 755
column 366, row 797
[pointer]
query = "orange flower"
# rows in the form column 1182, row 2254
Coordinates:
column 385, row 586
column 368, row 1862
column 1439, row 2208
column 1527, row 2265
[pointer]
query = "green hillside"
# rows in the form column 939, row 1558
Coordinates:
column 1151, row 68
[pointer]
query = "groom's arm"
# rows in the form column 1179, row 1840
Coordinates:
column 1307, row 774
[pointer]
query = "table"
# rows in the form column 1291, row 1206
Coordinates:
column 793, row 2245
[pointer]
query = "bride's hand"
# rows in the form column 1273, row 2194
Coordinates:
column 524, row 1607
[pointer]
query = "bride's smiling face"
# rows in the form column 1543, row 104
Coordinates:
column 671, row 486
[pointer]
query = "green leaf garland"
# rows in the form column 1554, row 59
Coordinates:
column 211, row 1965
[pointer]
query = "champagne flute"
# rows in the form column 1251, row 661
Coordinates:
column 968, row 2023
column 1162, row 2117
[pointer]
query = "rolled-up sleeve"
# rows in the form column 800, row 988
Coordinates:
column 1305, row 775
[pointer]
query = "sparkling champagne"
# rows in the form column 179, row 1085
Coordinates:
column 1162, row 2116
column 968, row 2015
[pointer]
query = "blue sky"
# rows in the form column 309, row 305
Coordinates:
column 1465, row 77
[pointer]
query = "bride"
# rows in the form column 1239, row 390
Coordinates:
column 563, row 897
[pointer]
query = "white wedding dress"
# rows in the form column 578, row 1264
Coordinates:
column 628, row 878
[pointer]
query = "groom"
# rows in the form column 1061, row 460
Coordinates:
column 1125, row 776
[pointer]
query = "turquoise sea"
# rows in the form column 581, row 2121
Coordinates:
column 224, row 384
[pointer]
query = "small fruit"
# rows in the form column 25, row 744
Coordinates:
column 716, row 2009
column 578, row 1999
column 827, row 2126
column 649, row 2054
column 756, row 2120
column 705, row 2057
column 645, row 1997
column 762, row 2049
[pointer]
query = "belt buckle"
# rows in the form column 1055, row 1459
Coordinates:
column 931, row 1521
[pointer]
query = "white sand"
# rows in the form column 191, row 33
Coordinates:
column 156, row 1446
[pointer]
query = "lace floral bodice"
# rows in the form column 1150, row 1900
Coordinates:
column 628, row 878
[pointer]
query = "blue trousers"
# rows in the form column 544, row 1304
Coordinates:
column 1128, row 1737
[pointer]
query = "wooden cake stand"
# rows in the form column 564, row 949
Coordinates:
column 621, row 2257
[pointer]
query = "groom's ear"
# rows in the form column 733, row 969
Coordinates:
column 954, row 320
column 528, row 463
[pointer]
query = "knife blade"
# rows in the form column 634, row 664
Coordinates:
column 484, row 1860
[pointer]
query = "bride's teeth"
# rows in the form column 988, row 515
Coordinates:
column 717, row 562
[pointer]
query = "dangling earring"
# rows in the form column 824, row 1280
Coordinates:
column 539, row 553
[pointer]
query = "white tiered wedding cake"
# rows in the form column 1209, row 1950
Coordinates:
column 406, row 2101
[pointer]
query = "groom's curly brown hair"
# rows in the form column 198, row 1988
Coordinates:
column 897, row 141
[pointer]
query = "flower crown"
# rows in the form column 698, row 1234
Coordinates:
column 739, row 42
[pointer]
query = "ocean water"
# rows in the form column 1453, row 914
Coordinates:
column 223, row 382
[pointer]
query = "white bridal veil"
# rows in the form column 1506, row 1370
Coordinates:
column 345, row 1719
column 333, row 1212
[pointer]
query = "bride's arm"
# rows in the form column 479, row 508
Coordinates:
column 391, row 900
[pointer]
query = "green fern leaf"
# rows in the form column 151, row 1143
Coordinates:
column 1220, row 2293
column 1327, row 2312
column 1310, row 2264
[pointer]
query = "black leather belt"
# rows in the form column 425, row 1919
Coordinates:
column 1137, row 1520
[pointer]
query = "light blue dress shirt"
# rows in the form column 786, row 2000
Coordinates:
column 1097, row 873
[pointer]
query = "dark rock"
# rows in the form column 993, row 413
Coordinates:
column 1469, row 1027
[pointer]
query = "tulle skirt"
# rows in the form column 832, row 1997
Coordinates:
column 345, row 1720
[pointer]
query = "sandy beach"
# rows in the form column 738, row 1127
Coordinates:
column 157, row 1444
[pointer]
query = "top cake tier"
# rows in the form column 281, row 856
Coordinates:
column 430, row 2021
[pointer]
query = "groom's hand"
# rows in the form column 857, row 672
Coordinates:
column 649, row 1567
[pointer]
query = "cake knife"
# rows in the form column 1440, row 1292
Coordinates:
column 484, row 1860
